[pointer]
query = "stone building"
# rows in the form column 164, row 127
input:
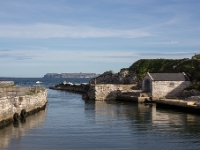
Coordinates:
column 164, row 85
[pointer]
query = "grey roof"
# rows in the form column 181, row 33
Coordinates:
column 169, row 76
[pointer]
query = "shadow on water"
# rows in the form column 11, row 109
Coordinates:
column 16, row 124
column 21, row 128
column 23, row 120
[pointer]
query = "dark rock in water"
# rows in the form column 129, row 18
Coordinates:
column 85, row 96
column 82, row 88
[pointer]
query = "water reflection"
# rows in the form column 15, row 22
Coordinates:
column 147, row 119
column 177, row 121
column 21, row 128
column 136, row 113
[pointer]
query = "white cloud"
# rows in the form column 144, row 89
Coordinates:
column 165, row 43
column 60, row 56
column 54, row 30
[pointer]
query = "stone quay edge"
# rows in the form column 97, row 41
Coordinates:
column 18, row 107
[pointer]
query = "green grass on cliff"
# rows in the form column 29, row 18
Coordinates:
column 194, row 86
column 190, row 66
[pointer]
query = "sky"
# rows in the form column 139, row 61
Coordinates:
column 93, row 36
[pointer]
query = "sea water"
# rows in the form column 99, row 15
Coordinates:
column 69, row 122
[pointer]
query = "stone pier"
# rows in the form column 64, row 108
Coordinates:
column 14, row 105
column 191, row 105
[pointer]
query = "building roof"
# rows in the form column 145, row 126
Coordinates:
column 169, row 76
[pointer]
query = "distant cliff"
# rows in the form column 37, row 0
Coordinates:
column 70, row 75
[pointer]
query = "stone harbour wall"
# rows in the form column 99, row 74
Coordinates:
column 14, row 91
column 12, row 105
column 100, row 92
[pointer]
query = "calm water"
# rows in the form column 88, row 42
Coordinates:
column 72, row 123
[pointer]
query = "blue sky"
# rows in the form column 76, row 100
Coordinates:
column 94, row 36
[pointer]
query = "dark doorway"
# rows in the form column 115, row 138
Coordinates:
column 147, row 85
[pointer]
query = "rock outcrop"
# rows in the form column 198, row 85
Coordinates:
column 109, row 77
column 189, row 93
column 82, row 88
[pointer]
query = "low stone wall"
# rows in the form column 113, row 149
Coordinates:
column 12, row 105
column 6, row 83
column 108, row 91
column 15, row 91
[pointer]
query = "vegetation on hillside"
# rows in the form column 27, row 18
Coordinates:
column 190, row 66
column 196, row 56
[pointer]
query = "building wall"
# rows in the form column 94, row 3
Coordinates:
column 168, row 89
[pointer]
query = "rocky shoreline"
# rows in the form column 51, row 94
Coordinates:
column 80, row 88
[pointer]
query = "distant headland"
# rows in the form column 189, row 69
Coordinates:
column 71, row 75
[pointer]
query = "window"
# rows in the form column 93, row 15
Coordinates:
column 171, row 84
